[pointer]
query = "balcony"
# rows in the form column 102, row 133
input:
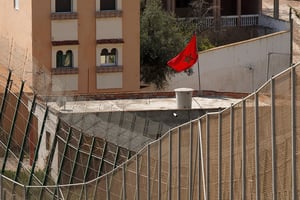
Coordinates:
column 224, row 21
column 108, row 13
column 64, row 15
column 64, row 70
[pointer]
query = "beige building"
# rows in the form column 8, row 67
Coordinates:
column 83, row 47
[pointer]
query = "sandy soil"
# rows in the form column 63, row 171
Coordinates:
column 284, row 7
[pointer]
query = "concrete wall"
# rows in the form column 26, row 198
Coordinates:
column 275, row 24
column 238, row 67
column 50, row 127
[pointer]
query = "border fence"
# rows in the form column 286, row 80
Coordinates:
column 248, row 151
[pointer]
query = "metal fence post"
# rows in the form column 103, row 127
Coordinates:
column 100, row 168
column 5, row 93
column 1, row 189
column 124, row 181
column 207, row 156
column 12, row 127
column 190, row 162
column 231, row 195
column 159, row 169
column 178, row 163
column 273, row 137
column 107, row 188
column 256, row 147
column 87, row 165
column 37, row 148
column 148, row 172
column 26, row 132
column 137, row 178
column 170, row 167
column 220, row 156
column 75, row 164
column 244, row 149
column 293, row 132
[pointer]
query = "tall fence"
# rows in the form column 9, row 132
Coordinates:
column 248, row 151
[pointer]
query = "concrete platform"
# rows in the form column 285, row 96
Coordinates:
column 140, row 104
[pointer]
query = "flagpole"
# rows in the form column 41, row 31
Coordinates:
column 199, row 88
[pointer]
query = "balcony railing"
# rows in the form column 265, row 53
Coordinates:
column 225, row 21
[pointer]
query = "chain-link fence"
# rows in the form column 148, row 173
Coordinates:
column 248, row 151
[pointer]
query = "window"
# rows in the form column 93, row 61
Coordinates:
column 109, row 58
column 16, row 4
column 107, row 5
column 64, row 60
column 63, row 5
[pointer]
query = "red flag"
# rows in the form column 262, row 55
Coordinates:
column 186, row 58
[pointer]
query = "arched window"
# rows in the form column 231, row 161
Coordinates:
column 59, row 59
column 107, row 4
column 64, row 60
column 63, row 5
column 109, row 58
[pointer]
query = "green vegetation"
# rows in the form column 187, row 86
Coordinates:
column 162, row 37
column 24, row 176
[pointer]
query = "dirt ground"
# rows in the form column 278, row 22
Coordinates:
column 284, row 7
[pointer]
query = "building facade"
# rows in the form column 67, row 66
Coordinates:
column 82, row 47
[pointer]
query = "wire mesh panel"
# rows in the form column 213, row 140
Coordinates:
column 212, row 153
column 195, row 188
column 250, row 172
column 89, row 189
column 237, row 151
column 100, row 188
column 153, row 167
column 7, row 115
column 204, row 155
column 296, row 127
column 174, row 167
column 165, row 162
column 142, row 174
column 11, row 189
column 283, row 147
column 225, row 154
column 130, row 175
column 184, row 138
column 264, row 143
column 115, row 187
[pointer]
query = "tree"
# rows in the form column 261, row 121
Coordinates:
column 201, row 9
column 161, row 39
